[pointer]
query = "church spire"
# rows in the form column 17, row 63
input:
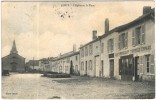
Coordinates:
column 14, row 50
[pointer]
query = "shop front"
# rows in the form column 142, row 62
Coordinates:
column 126, row 67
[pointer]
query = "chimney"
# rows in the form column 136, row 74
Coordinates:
column 74, row 48
column 146, row 9
column 94, row 34
column 106, row 25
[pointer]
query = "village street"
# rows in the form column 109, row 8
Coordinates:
column 33, row 86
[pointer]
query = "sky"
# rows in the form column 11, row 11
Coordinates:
column 46, row 29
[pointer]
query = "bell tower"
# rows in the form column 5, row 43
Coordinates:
column 13, row 50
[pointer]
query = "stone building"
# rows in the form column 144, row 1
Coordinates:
column 125, row 52
column 44, row 65
column 13, row 62
column 66, row 63
column 134, row 54
column 89, row 57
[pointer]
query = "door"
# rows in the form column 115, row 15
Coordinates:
column 86, row 68
column 13, row 67
column 102, row 68
column 71, row 67
column 111, row 68
column 97, row 66
column 136, row 68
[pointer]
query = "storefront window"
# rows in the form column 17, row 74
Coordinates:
column 126, row 66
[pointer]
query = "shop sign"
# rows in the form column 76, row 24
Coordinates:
column 132, row 51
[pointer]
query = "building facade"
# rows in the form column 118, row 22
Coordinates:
column 66, row 63
column 126, row 52
column 13, row 62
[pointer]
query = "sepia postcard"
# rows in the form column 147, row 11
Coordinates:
column 77, row 49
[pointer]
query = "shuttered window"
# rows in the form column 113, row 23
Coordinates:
column 119, row 43
column 102, row 47
column 138, row 35
column 147, row 63
column 123, row 41
column 152, row 65
column 110, row 45
column 126, row 39
column 143, row 34
column 133, row 38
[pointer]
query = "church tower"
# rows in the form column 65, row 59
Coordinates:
column 13, row 50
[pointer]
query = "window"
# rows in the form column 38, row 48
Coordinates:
column 68, row 60
column 123, row 40
column 90, row 49
column 76, row 58
column 147, row 62
column 102, row 47
column 110, row 45
column 76, row 68
column 90, row 64
column 86, row 51
column 82, row 52
column 138, row 36
column 82, row 65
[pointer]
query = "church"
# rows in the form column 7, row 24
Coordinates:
column 13, row 62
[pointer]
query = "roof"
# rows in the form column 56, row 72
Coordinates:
column 140, row 19
column 150, row 15
column 90, row 42
column 66, row 55
column 15, row 54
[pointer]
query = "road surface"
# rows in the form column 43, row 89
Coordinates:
column 33, row 86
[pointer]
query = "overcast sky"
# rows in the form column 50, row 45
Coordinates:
column 46, row 29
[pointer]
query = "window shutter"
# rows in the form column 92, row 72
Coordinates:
column 126, row 39
column 119, row 42
column 139, row 65
column 112, row 45
column 144, row 66
column 133, row 38
column 152, row 64
column 108, row 46
column 143, row 34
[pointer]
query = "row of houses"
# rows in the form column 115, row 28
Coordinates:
column 125, row 52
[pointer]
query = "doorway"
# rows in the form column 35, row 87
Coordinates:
column 86, row 68
column 71, row 67
column 136, row 68
column 97, row 66
column 13, row 67
column 102, row 68
column 112, row 68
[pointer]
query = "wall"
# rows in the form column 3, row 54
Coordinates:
column 149, row 41
column 6, row 63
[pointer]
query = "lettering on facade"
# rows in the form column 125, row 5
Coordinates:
column 136, row 50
